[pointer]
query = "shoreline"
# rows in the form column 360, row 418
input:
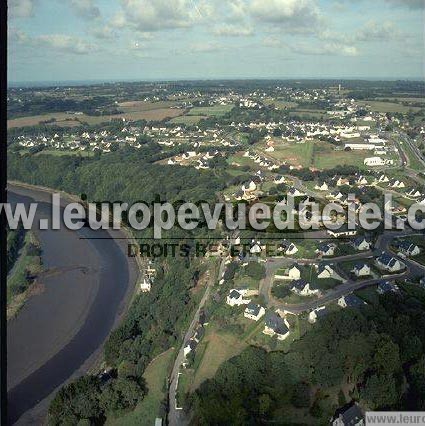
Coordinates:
column 95, row 359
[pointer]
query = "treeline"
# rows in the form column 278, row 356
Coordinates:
column 375, row 355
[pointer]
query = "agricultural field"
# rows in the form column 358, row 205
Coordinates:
column 137, row 110
column 188, row 120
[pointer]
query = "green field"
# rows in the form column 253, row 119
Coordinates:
column 215, row 110
column 379, row 106
column 60, row 153
column 156, row 379
column 187, row 119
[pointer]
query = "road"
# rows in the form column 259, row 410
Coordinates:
column 176, row 415
column 413, row 269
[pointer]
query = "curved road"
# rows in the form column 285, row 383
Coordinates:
column 59, row 333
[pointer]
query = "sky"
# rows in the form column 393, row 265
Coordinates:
column 80, row 40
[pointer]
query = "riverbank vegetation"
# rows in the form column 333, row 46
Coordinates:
column 24, row 264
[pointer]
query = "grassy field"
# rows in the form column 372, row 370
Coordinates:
column 380, row 106
column 146, row 411
column 295, row 154
column 414, row 163
column 215, row 110
column 59, row 153
column 187, row 119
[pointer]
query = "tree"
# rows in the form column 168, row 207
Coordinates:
column 301, row 397
column 255, row 270
column 380, row 391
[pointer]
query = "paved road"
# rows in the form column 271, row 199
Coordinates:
column 413, row 269
column 176, row 415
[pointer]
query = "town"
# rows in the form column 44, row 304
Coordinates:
column 274, row 142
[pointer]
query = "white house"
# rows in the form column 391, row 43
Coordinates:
column 362, row 244
column 408, row 248
column 254, row 311
column 389, row 263
column 350, row 301
column 325, row 271
column 274, row 325
column 291, row 273
column 287, row 248
column 317, row 313
column 374, row 161
column 325, row 249
column 321, row 186
column 146, row 285
column 302, row 288
column 361, row 270
column 235, row 298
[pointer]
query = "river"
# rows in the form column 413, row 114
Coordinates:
column 59, row 333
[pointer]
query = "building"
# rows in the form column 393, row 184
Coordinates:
column 302, row 288
column 361, row 270
column 408, row 248
column 362, row 244
column 317, row 313
column 349, row 415
column 326, row 249
column 146, row 285
column 287, row 248
column 350, row 301
column 389, row 263
column 375, row 161
column 235, row 298
column 274, row 325
column 254, row 311
column 291, row 273
column 386, row 286
column 325, row 271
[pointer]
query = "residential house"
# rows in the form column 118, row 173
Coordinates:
column 190, row 346
column 386, row 286
column 279, row 179
column 361, row 243
column 291, row 273
column 317, row 313
column 413, row 193
column 146, row 285
column 274, row 325
column 302, row 288
column 350, row 301
column 287, row 248
column 294, row 192
column 396, row 184
column 342, row 231
column 349, row 415
column 326, row 249
column 235, row 298
column 325, row 271
column 408, row 248
column 254, row 311
column 322, row 186
column 389, row 263
column 361, row 270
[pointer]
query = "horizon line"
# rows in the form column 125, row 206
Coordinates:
column 87, row 82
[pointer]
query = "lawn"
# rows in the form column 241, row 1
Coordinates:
column 156, row 375
column 325, row 157
column 215, row 110
column 295, row 154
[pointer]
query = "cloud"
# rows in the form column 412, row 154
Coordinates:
column 411, row 4
column 104, row 33
column 227, row 30
column 155, row 15
column 58, row 42
column 374, row 31
column 21, row 8
column 65, row 43
column 295, row 15
column 85, row 9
